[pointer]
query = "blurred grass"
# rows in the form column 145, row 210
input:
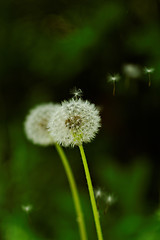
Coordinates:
column 64, row 50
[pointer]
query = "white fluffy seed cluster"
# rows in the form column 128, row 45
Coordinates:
column 75, row 122
column 36, row 124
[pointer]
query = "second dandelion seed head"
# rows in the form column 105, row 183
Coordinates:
column 36, row 124
column 75, row 122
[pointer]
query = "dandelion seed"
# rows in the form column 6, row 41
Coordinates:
column 98, row 193
column 104, row 198
column 149, row 71
column 109, row 199
column 77, row 93
column 132, row 70
column 114, row 78
column 75, row 122
column 27, row 208
column 36, row 124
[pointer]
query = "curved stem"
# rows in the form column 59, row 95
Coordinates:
column 91, row 193
column 74, row 191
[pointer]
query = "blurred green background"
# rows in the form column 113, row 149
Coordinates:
column 46, row 49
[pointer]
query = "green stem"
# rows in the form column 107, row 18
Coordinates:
column 91, row 193
column 74, row 191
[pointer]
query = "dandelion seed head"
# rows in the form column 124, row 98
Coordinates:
column 148, row 70
column 75, row 122
column 113, row 78
column 36, row 124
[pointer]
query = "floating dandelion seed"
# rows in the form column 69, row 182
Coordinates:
column 114, row 78
column 36, row 124
column 132, row 70
column 27, row 208
column 103, row 199
column 77, row 93
column 149, row 71
column 109, row 199
column 75, row 122
column 98, row 193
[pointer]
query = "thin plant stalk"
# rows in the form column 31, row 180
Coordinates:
column 91, row 193
column 74, row 192
column 149, row 77
column 114, row 88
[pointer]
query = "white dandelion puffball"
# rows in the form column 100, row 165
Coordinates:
column 36, row 124
column 75, row 122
